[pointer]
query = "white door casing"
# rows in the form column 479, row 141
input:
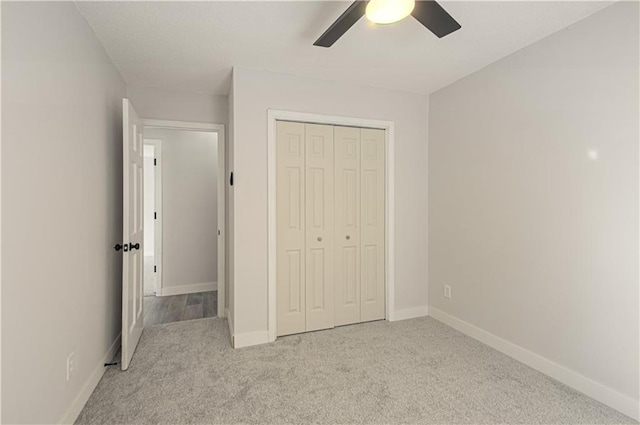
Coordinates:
column 347, row 225
column 319, row 226
column 372, row 225
column 132, row 232
column 222, row 212
column 290, row 193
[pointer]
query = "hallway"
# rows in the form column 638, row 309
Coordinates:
column 177, row 308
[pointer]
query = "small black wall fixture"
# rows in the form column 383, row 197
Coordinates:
column 231, row 179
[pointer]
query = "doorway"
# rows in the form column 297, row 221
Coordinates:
column 183, row 221
column 132, row 246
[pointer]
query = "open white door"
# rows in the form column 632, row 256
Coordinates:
column 132, row 232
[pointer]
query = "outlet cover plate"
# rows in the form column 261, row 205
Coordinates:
column 71, row 365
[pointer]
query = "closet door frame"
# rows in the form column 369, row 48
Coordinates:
column 274, row 115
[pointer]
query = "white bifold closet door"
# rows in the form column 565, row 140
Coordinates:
column 330, row 226
column 319, row 208
column 359, row 225
column 347, row 225
column 304, row 182
column 290, row 242
column 372, row 224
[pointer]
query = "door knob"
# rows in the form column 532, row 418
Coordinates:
column 319, row 238
column 134, row 246
column 118, row 247
column 348, row 237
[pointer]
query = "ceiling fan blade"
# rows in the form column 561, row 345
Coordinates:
column 342, row 24
column 435, row 18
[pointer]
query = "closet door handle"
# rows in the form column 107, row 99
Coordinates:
column 319, row 238
column 134, row 246
column 348, row 237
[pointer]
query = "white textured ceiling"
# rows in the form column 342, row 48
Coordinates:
column 192, row 46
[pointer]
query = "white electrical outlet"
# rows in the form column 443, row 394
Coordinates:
column 71, row 365
column 447, row 291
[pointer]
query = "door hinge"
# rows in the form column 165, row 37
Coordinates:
column 155, row 161
column 218, row 232
column 155, row 215
column 155, row 270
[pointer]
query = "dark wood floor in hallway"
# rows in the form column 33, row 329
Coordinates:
column 177, row 308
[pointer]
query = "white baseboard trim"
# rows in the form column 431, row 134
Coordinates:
column 571, row 378
column 76, row 407
column 248, row 339
column 409, row 313
column 189, row 289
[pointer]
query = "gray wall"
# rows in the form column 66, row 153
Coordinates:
column 189, row 206
column 61, row 208
column 254, row 92
column 538, row 239
column 178, row 106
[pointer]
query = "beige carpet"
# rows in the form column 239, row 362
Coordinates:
column 411, row 372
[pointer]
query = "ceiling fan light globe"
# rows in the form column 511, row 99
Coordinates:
column 389, row 11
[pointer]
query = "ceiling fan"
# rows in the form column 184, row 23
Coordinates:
column 428, row 12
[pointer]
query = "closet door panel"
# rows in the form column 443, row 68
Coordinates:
column 291, row 224
column 319, row 227
column 347, row 225
column 372, row 243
